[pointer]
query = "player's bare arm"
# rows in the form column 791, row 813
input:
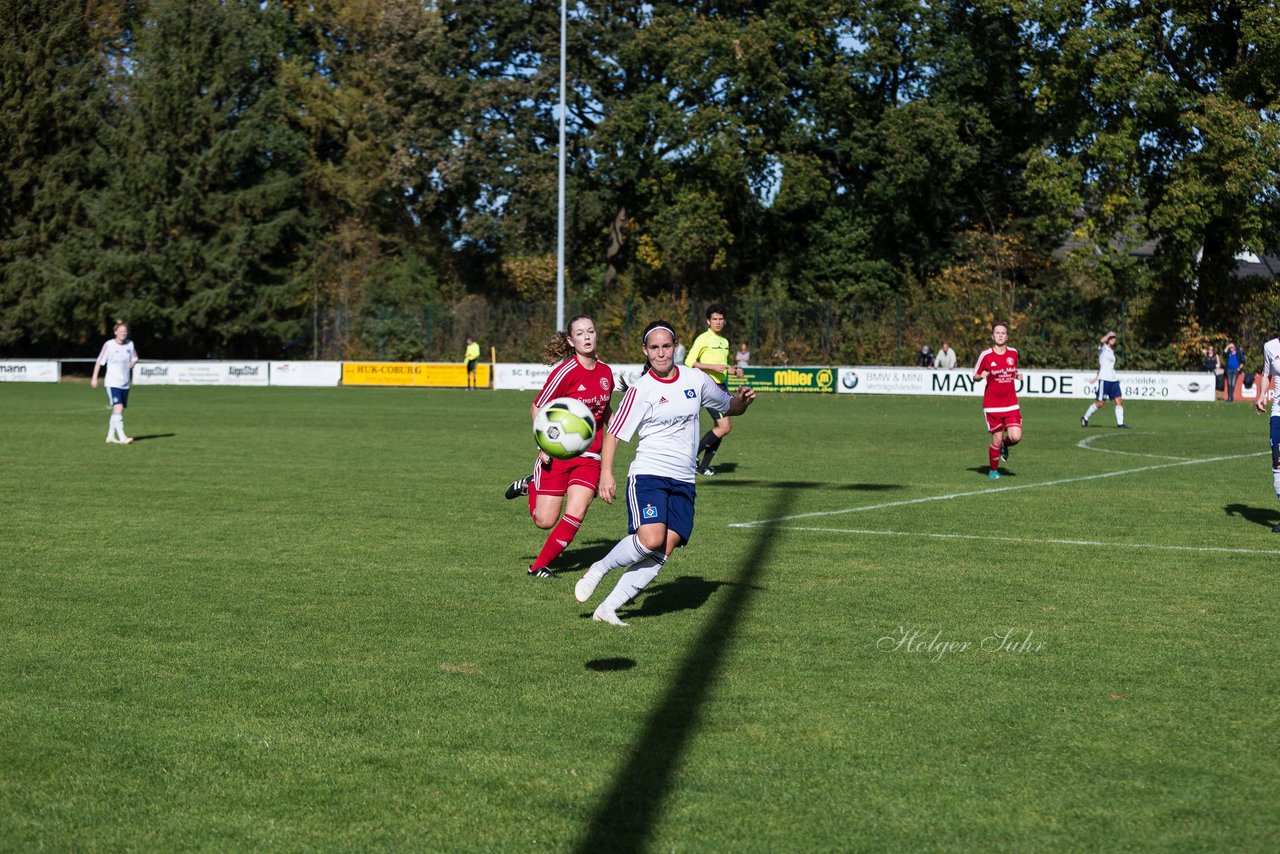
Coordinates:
column 608, row 487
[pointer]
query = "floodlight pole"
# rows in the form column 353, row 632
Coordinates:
column 560, row 202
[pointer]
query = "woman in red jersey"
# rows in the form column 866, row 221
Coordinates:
column 998, row 365
column 567, row 485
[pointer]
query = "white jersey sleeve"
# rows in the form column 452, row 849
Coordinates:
column 1107, row 363
column 713, row 396
column 1270, row 370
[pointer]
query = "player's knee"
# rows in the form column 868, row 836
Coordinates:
column 653, row 540
column 546, row 523
column 723, row 427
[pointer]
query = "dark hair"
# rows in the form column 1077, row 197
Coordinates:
column 558, row 346
column 717, row 308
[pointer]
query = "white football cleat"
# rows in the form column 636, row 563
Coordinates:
column 606, row 615
column 587, row 583
column 126, row 441
column 112, row 441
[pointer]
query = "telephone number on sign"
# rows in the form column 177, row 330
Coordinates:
column 1131, row 391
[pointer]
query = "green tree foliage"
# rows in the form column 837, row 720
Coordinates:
column 316, row 178
column 1164, row 126
column 205, row 214
column 53, row 109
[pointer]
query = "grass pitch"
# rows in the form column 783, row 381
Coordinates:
column 298, row 619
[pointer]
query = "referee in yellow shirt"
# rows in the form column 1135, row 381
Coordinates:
column 710, row 353
column 471, row 357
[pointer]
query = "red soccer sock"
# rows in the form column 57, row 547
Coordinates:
column 561, row 535
column 993, row 454
column 532, row 489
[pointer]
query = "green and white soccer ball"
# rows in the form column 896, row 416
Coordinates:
column 564, row 428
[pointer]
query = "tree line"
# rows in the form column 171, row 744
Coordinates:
column 288, row 178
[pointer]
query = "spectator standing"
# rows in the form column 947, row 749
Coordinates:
column 1233, row 364
column 946, row 358
column 743, row 356
column 924, row 359
column 1213, row 366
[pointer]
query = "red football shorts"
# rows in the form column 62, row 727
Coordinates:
column 562, row 474
column 1000, row 420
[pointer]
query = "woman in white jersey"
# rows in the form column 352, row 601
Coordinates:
column 663, row 409
column 118, row 356
column 1108, row 381
column 1269, row 396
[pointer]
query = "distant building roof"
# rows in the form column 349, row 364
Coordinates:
column 1247, row 264
column 1265, row 266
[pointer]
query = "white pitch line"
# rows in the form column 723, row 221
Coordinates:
column 947, row 497
column 1086, row 444
column 1025, row 540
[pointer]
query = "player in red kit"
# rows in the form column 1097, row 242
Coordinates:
column 567, row 484
column 998, row 365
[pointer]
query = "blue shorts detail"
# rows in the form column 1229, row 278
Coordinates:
column 1275, row 429
column 1109, row 390
column 653, row 499
column 119, row 396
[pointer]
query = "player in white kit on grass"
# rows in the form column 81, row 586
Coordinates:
column 118, row 356
column 663, row 408
column 1269, row 393
column 1108, row 381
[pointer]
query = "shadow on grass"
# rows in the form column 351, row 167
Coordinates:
column 1265, row 516
column 148, row 437
column 686, row 593
column 576, row 559
column 982, row 470
column 606, row 665
column 628, row 812
column 803, row 484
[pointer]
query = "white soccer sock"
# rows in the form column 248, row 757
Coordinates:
column 116, row 429
column 1119, row 415
column 633, row 581
column 1093, row 407
column 626, row 552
